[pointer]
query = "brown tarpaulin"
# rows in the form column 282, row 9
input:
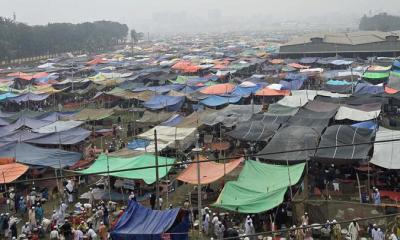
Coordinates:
column 209, row 171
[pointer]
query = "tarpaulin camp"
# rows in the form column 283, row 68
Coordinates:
column 209, row 171
column 104, row 163
column 259, row 187
column 141, row 223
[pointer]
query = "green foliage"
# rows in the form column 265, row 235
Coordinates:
column 18, row 40
column 381, row 22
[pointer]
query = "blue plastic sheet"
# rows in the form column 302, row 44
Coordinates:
column 338, row 82
column 169, row 103
column 364, row 88
column 138, row 143
column 214, row 101
column 367, row 124
column 173, row 121
column 245, row 91
column 291, row 85
column 141, row 223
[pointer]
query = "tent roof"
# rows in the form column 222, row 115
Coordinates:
column 59, row 126
column 139, row 222
column 11, row 172
column 260, row 187
column 223, row 88
column 386, row 154
column 88, row 114
column 272, row 92
column 32, row 155
column 352, row 113
column 68, row 137
column 209, row 171
column 148, row 175
column 170, row 103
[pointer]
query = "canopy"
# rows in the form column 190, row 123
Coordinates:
column 231, row 115
column 88, row 114
column 296, row 100
column 342, row 135
column 347, row 112
column 272, row 92
column 11, row 172
column 364, row 88
column 209, row 171
column 169, row 103
column 260, row 187
column 254, row 131
column 214, row 101
column 281, row 110
column 69, row 137
column 218, row 89
column 291, row 138
column 28, row 97
column 386, row 154
column 32, row 155
column 376, row 75
column 140, row 223
column 154, row 118
column 23, row 122
column 148, row 175
column 59, row 126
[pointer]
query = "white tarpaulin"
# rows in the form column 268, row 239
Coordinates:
column 59, row 126
column 387, row 154
column 355, row 114
column 299, row 98
column 173, row 137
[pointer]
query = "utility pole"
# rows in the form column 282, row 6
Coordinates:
column 157, row 176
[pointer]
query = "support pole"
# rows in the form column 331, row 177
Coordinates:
column 157, row 176
column 197, row 150
column 109, row 179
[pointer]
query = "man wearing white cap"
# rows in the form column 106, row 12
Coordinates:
column 206, row 221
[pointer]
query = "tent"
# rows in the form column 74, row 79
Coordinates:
column 291, row 138
column 59, row 126
column 28, row 97
column 209, row 171
column 276, row 109
column 218, row 89
column 32, row 155
column 254, row 131
column 11, row 172
column 259, row 187
column 22, row 122
column 357, row 113
column 172, row 137
column 148, row 175
column 266, row 92
column 386, row 153
column 214, row 101
column 172, row 121
column 306, row 117
column 154, row 118
column 88, row 114
column 231, row 115
column 69, row 137
column 337, row 135
column 169, row 103
column 141, row 223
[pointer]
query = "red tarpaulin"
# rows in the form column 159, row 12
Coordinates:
column 271, row 92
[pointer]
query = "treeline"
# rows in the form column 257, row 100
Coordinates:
column 381, row 22
column 19, row 40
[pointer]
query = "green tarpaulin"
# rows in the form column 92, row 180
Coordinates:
column 260, row 187
column 117, row 163
column 376, row 75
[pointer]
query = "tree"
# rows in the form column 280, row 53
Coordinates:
column 380, row 22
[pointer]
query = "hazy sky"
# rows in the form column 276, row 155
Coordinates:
column 141, row 14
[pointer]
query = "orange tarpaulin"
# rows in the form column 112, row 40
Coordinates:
column 218, row 89
column 271, row 92
column 97, row 61
column 12, row 171
column 276, row 61
column 209, row 171
column 298, row 66
column 186, row 66
column 389, row 90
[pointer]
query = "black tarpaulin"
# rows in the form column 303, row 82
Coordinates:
column 254, row 131
column 341, row 135
column 288, row 139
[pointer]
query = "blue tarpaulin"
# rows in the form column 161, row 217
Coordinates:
column 173, row 121
column 295, row 76
column 367, row 124
column 139, row 222
column 169, row 103
column 338, row 82
column 396, row 63
column 245, row 91
column 214, row 101
column 7, row 95
column 29, row 97
column 32, row 155
column 291, row 85
column 138, row 143
column 364, row 88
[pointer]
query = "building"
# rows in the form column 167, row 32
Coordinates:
column 353, row 44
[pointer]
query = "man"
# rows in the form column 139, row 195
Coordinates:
column 132, row 196
column 32, row 216
column 249, row 229
column 54, row 235
column 78, row 234
column 354, row 229
column 26, row 229
column 304, row 219
column 336, row 230
column 376, row 196
column 219, row 230
column 214, row 222
column 152, row 200
column 102, row 231
column 91, row 233
column 206, row 221
column 66, row 230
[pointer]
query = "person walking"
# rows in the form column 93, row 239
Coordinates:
column 353, row 229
